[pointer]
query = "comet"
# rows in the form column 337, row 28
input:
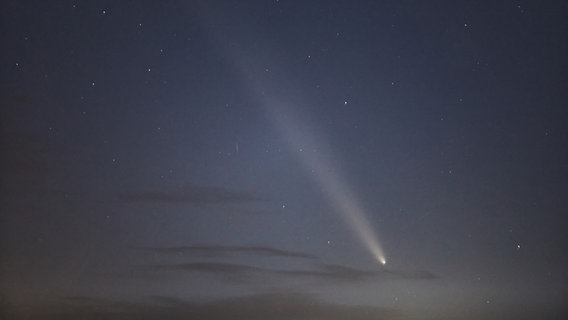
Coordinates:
column 319, row 166
column 310, row 152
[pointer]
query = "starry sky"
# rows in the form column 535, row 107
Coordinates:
column 255, row 160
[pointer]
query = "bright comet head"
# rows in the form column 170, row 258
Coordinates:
column 382, row 260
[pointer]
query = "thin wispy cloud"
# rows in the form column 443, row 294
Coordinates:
column 335, row 273
column 325, row 272
column 412, row 275
column 210, row 250
column 25, row 153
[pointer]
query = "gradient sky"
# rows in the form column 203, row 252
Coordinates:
column 184, row 160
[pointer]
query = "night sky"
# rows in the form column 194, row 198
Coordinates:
column 258, row 159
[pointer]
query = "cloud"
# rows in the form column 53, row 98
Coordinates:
column 27, row 163
column 18, row 101
column 167, row 300
column 260, row 306
column 336, row 273
column 25, row 154
column 413, row 275
column 226, row 271
column 84, row 299
column 94, row 302
column 194, row 195
column 341, row 273
column 239, row 272
column 324, row 272
column 205, row 250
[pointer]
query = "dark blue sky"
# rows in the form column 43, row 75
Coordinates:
column 177, row 159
